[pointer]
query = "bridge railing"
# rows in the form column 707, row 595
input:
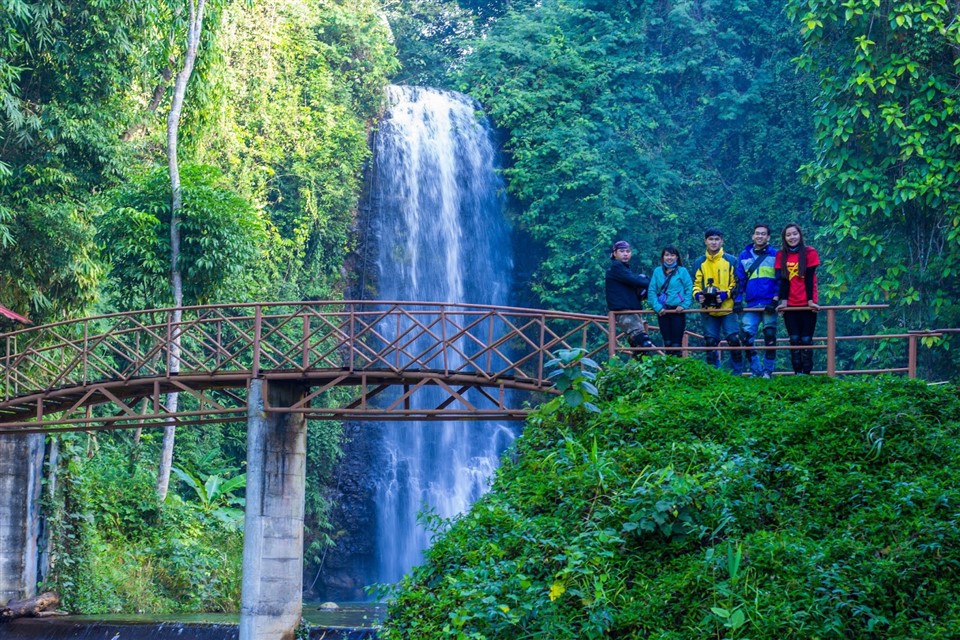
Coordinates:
column 829, row 342
column 223, row 341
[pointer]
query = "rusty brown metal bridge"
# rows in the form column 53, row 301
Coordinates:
column 112, row 371
column 404, row 361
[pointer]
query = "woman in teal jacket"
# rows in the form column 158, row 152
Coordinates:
column 669, row 293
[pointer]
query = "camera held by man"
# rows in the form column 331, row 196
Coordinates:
column 711, row 296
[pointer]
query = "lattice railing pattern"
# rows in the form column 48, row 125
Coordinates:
column 71, row 365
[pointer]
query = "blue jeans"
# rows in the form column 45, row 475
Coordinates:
column 751, row 321
column 717, row 328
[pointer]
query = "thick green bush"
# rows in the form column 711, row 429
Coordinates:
column 698, row 505
column 114, row 549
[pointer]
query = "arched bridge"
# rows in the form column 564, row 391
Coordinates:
column 404, row 361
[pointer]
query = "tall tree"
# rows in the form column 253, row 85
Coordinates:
column 61, row 121
column 194, row 30
column 887, row 168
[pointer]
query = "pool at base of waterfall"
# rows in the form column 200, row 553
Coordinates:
column 349, row 621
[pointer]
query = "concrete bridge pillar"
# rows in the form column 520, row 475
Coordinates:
column 21, row 466
column 272, row 588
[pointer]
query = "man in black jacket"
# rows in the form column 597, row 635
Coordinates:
column 625, row 292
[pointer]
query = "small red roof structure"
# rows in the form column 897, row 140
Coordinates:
column 16, row 317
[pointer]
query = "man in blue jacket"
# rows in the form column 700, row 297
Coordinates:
column 759, row 287
column 625, row 292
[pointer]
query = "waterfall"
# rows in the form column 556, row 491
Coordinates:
column 442, row 237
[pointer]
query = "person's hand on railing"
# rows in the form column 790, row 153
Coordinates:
column 813, row 305
column 781, row 306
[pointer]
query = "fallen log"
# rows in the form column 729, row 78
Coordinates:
column 29, row 608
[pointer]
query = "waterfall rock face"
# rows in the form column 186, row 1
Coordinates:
column 443, row 238
column 437, row 213
column 440, row 228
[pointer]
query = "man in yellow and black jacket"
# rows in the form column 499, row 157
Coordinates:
column 715, row 287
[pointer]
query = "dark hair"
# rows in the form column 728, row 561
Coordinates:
column 712, row 231
column 619, row 244
column 672, row 249
column 762, row 224
column 801, row 252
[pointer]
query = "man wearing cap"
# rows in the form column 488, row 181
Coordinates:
column 714, row 287
column 625, row 291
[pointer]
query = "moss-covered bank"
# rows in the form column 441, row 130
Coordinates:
column 696, row 505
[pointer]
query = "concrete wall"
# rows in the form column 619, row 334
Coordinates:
column 21, row 467
column 272, row 591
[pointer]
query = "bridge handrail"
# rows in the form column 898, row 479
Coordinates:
column 262, row 336
column 287, row 303
column 827, row 343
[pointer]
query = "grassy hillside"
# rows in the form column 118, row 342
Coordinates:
column 696, row 505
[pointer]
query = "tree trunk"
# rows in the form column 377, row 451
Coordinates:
column 158, row 92
column 194, row 27
column 137, row 435
column 29, row 608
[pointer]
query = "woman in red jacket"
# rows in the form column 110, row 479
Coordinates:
column 797, row 268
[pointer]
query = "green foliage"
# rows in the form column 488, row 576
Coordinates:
column 435, row 37
column 887, row 168
column 115, row 551
column 64, row 73
column 215, row 495
column 432, row 37
column 281, row 101
column 293, row 127
column 224, row 241
column 323, row 452
column 696, row 505
column 50, row 265
column 648, row 121
column 62, row 67
column 573, row 378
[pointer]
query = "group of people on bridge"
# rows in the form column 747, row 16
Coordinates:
column 740, row 298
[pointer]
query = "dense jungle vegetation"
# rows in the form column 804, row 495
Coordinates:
column 693, row 505
column 643, row 119
column 680, row 510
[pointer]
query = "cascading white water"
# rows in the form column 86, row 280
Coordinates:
column 442, row 237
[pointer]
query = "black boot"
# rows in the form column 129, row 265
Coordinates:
column 796, row 356
column 736, row 356
column 713, row 357
column 639, row 339
column 806, row 356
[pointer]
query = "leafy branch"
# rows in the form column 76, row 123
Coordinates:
column 574, row 380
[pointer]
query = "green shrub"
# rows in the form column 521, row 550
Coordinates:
column 114, row 550
column 698, row 505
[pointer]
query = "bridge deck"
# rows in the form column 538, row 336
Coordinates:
column 404, row 361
